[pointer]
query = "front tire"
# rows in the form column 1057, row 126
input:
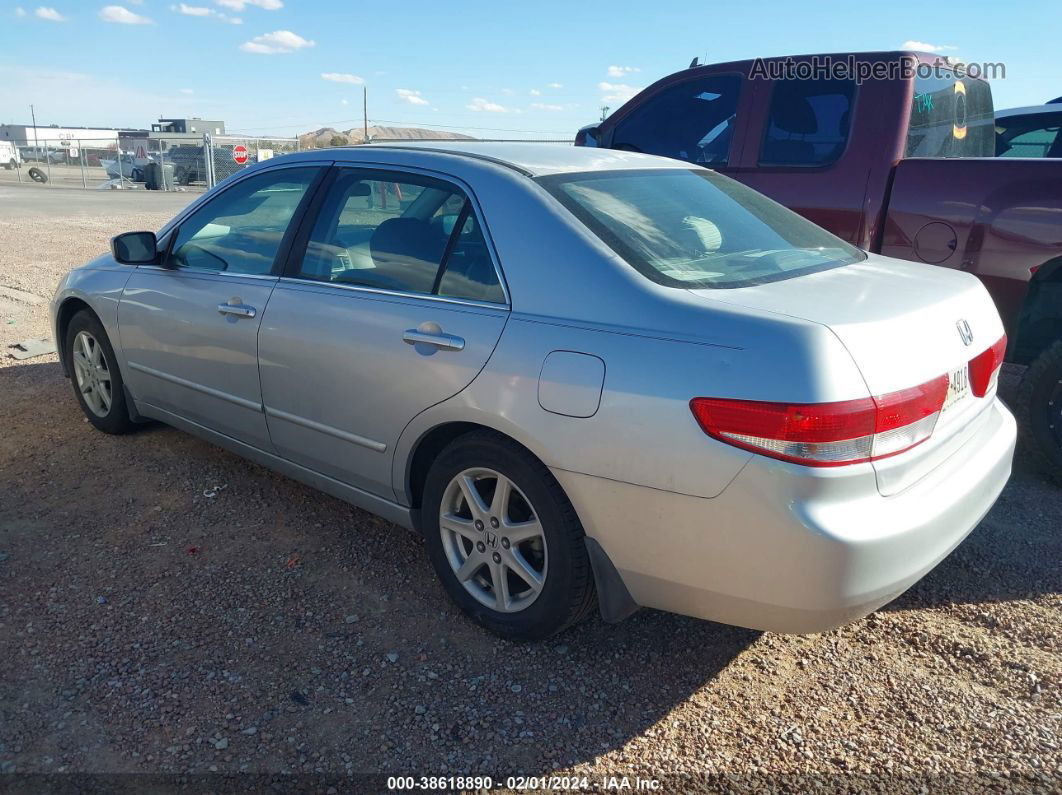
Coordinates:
column 95, row 375
column 505, row 540
column 1039, row 410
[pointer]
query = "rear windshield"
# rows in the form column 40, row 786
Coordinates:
column 696, row 228
column 951, row 117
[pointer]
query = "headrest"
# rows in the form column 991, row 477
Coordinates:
column 794, row 114
column 399, row 243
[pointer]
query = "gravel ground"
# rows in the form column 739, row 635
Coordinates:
column 166, row 607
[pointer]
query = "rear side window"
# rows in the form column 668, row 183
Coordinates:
column 400, row 232
column 692, row 121
column 1029, row 136
column 950, row 117
column 696, row 228
column 808, row 123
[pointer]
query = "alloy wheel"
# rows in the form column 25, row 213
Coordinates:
column 493, row 540
column 93, row 374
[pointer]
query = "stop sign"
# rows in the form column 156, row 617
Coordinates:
column 239, row 154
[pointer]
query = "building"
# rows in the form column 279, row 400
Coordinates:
column 193, row 126
column 56, row 137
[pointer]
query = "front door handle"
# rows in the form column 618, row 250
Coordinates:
column 444, row 342
column 237, row 307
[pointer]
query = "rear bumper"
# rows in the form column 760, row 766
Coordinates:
column 789, row 549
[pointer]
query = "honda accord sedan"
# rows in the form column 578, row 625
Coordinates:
column 589, row 378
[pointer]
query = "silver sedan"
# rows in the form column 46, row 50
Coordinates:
column 589, row 378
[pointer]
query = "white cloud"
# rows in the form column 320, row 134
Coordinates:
column 616, row 92
column 480, row 104
column 545, row 106
column 341, row 77
column 277, row 42
column 412, row 97
column 50, row 14
column 535, row 92
column 187, row 91
column 620, row 71
column 922, row 46
column 343, row 102
column 240, row 5
column 20, row 11
column 508, row 92
column 203, row 11
column 193, row 11
column 555, row 85
column 122, row 16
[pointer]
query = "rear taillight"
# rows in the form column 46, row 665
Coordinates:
column 826, row 434
column 984, row 368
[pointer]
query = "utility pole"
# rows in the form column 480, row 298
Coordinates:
column 36, row 147
column 604, row 112
column 365, row 112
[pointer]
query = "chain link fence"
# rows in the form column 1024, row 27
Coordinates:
column 187, row 162
column 230, row 153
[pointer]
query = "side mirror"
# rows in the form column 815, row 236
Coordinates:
column 588, row 135
column 135, row 248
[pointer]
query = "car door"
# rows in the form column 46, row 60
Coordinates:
column 189, row 327
column 392, row 302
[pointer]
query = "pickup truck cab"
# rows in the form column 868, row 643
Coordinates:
column 901, row 163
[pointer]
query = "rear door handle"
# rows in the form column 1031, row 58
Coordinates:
column 444, row 342
column 239, row 310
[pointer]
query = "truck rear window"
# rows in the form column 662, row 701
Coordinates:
column 696, row 228
column 951, row 117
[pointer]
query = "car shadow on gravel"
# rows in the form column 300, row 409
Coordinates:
column 172, row 608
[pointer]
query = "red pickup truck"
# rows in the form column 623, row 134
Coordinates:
column 894, row 152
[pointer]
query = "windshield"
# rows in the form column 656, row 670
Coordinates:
column 696, row 228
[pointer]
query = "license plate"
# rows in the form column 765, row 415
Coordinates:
column 958, row 386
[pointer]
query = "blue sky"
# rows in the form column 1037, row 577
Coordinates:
column 488, row 68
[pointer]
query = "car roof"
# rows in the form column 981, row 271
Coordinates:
column 532, row 159
column 1028, row 110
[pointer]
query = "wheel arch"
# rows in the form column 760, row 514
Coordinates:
column 67, row 309
column 427, row 448
column 1039, row 322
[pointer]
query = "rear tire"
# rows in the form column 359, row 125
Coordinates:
column 10, row 165
column 555, row 551
column 1039, row 410
column 95, row 376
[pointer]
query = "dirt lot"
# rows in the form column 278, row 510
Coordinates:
column 166, row 607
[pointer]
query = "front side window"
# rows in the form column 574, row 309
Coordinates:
column 695, row 229
column 1029, row 136
column 240, row 231
column 692, row 121
column 808, row 123
column 400, row 232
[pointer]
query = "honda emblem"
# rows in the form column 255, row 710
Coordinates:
column 964, row 332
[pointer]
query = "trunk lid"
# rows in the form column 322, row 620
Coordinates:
column 903, row 323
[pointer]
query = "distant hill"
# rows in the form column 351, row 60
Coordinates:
column 329, row 136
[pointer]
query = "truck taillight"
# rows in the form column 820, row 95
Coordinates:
column 984, row 368
column 826, row 434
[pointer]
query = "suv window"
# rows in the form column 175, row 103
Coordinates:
column 693, row 121
column 400, row 232
column 1029, row 136
column 241, row 230
column 808, row 123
